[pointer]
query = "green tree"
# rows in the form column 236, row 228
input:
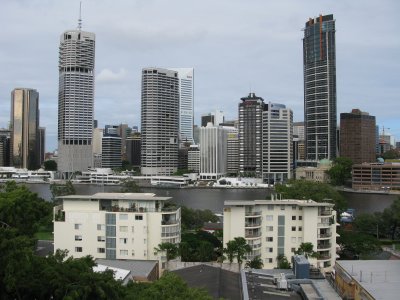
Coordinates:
column 255, row 263
column 169, row 287
column 283, row 262
column 391, row 154
column 391, row 215
column 230, row 250
column 129, row 186
column 340, row 172
column 354, row 244
column 50, row 165
column 126, row 165
column 58, row 189
column 317, row 191
column 194, row 219
column 21, row 209
column 306, row 249
column 237, row 248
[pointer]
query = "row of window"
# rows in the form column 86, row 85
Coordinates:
column 103, row 250
column 271, row 218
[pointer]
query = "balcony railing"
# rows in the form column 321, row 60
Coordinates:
column 252, row 235
column 324, row 246
column 324, row 224
column 252, row 213
column 324, row 257
column 169, row 222
column 252, row 224
column 170, row 234
column 138, row 209
column 324, row 235
column 325, row 212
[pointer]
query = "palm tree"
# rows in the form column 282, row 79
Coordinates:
column 307, row 249
column 255, row 263
column 170, row 249
column 241, row 249
column 283, row 262
column 230, row 250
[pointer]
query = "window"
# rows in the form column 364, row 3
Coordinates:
column 293, row 228
column 270, row 260
column 300, row 240
column 101, row 238
column 270, row 207
column 270, row 250
column 300, row 228
column 269, row 218
column 270, row 239
column 133, row 253
column 133, row 229
column 144, row 241
column 100, row 226
column 293, row 218
column 300, row 218
column 145, row 253
column 101, row 250
column 123, row 217
column 78, row 249
column 300, row 208
column 293, row 239
column 78, row 226
column 293, row 250
column 78, row 238
column 123, row 252
column 123, row 228
column 123, row 240
column 282, row 207
column 294, row 207
column 138, row 217
column 270, row 228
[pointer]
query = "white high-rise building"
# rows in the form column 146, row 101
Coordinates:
column 75, row 101
column 160, row 121
column 212, row 152
column 278, row 227
column 186, row 104
column 277, row 143
column 115, row 225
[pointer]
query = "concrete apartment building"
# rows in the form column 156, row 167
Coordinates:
column 273, row 227
column 115, row 225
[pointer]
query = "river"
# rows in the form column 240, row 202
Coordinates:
column 213, row 198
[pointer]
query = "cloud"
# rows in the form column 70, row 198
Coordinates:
column 107, row 75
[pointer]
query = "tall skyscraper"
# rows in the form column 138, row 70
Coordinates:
column 186, row 104
column 160, row 121
column 216, row 118
column 277, row 143
column 75, row 101
column 250, row 135
column 25, row 141
column 5, row 146
column 42, row 144
column 357, row 136
column 319, row 57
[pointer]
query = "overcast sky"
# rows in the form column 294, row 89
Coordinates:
column 234, row 46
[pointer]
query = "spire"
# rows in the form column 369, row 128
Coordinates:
column 80, row 16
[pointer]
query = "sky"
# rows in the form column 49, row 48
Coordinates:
column 234, row 46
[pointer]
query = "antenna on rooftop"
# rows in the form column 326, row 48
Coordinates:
column 80, row 16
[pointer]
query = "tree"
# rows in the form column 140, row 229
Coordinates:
column 237, row 248
column 194, row 219
column 199, row 246
column 58, row 190
column 255, row 263
column 283, row 262
column 306, row 249
column 126, row 165
column 354, row 244
column 230, row 250
column 170, row 249
column 21, row 209
column 50, row 165
column 340, row 172
column 169, row 287
column 129, row 186
column 391, row 215
column 391, row 154
column 317, row 191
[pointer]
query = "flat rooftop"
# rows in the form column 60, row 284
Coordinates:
column 380, row 278
column 116, row 196
column 310, row 203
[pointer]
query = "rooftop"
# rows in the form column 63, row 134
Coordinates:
column 310, row 203
column 380, row 278
column 116, row 196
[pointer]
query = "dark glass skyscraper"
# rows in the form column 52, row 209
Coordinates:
column 319, row 56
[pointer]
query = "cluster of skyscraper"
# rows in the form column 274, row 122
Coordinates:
column 259, row 144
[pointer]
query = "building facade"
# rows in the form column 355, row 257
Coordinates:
column 278, row 227
column 277, row 143
column 319, row 58
column 160, row 121
column 186, row 104
column 216, row 118
column 111, row 152
column 250, row 135
column 212, row 152
column 232, row 152
column 75, row 101
column 25, row 135
column 376, row 176
column 194, row 159
column 5, row 146
column 133, row 148
column 115, row 225
column 357, row 136
column 316, row 173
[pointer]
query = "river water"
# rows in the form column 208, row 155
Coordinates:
column 213, row 198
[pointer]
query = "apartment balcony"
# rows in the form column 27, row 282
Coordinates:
column 169, row 222
column 170, row 234
column 324, row 225
column 252, row 235
column 58, row 214
column 252, row 213
column 324, row 257
column 252, row 224
column 324, row 246
column 325, row 212
column 327, row 235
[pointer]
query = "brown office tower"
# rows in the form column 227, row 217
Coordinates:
column 357, row 136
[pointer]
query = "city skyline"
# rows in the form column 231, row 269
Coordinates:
column 230, row 58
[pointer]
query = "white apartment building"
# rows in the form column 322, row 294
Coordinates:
column 274, row 227
column 115, row 225
column 212, row 152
